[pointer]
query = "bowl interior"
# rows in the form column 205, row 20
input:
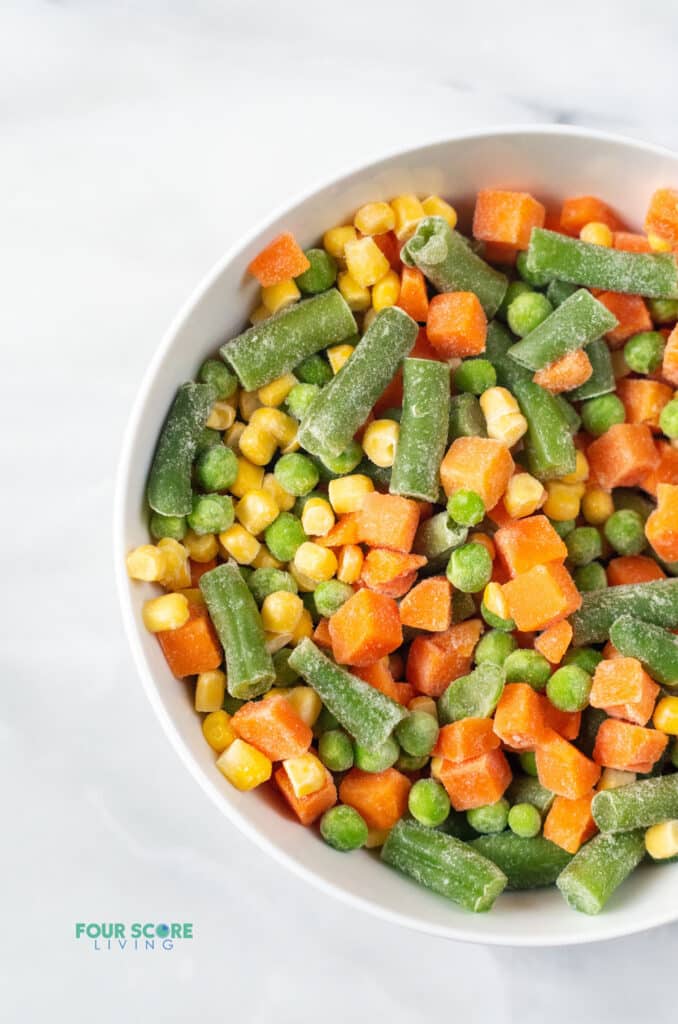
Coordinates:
column 551, row 163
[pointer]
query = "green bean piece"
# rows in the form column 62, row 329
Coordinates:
column 214, row 372
column 473, row 696
column 169, row 482
column 379, row 475
column 423, row 429
column 558, row 291
column 233, row 610
column 655, row 647
column 638, row 805
column 365, row 713
column 268, row 580
column 321, row 274
column 655, row 602
column 436, row 539
column 527, row 863
column 602, row 380
column 444, row 864
column 654, row 275
column 343, row 406
column 534, row 278
column 343, row 828
column 591, row 720
column 275, row 346
column 568, row 411
column 578, row 321
column 446, row 259
column 548, row 442
column 466, row 417
column 599, row 868
column 524, row 789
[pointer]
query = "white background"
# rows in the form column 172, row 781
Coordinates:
column 137, row 140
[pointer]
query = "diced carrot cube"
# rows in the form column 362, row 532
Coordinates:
column 630, row 311
column 563, row 769
column 194, row 647
column 569, row 823
column 566, row 723
column 390, row 246
column 498, row 252
column 627, row 747
column 630, row 242
column 580, row 210
column 554, row 641
column 281, row 259
column 643, row 399
column 506, row 217
column 466, row 739
column 379, row 676
column 390, row 572
column 565, row 373
column 307, row 808
column 428, row 605
column 623, row 455
column 387, row 521
column 661, row 528
column 666, row 470
column 436, row 660
column 422, row 348
column 476, row 782
column 540, row 597
column 623, row 688
column 344, row 531
column 519, row 718
column 633, row 569
column 662, row 215
column 273, row 727
column 198, row 569
column 456, row 325
column 525, row 543
column 480, row 464
column 413, row 297
column 381, row 797
column 365, row 628
column 321, row 634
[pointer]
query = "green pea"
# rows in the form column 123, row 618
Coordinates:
column 526, row 666
column 495, row 647
column 590, row 577
column 664, row 311
column 314, row 370
column 335, row 750
column 514, row 289
column 625, row 532
column 417, row 734
column 587, row 658
column 284, row 536
column 378, row 759
column 216, row 468
column 211, row 513
column 167, row 526
column 330, row 595
column 410, row 762
column 668, row 418
column 466, row 507
column 599, row 414
column 296, row 474
column 490, row 818
column 299, row 400
column 340, row 465
column 568, row 688
column 563, row 527
column 216, row 373
column 524, row 820
column 584, row 544
column 528, row 762
column 321, row 274
column 495, row 621
column 428, row 802
column 470, row 568
column 533, row 277
column 268, row 580
column 475, row 376
column 527, row 311
column 343, row 828
column 643, row 352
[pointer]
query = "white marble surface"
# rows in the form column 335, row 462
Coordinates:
column 138, row 140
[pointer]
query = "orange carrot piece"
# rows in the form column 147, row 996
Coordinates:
column 565, row 373
column 428, row 605
column 623, row 455
column 466, row 739
column 519, row 718
column 563, row 769
column 506, row 217
column 436, row 660
column 630, row 242
column 525, row 543
column 365, row 628
column 569, row 823
column 643, row 399
column 395, row 588
column 622, row 687
column 321, row 635
column 628, row 747
column 194, row 647
column 381, row 797
column 379, row 676
column 580, row 210
column 413, row 297
column 281, row 259
column 662, row 215
column 422, row 348
column 540, row 597
column 344, row 531
column 476, row 782
column 554, row 641
column 630, row 311
column 307, row 808
column 382, row 566
column 566, row 723
column 661, row 528
column 610, row 652
column 498, row 252
column 633, row 569
column 499, row 515
column 456, row 324
column 387, row 521
column 480, row 464
column 666, row 470
column 273, row 727
column 198, row 569
column 390, row 246
column 670, row 359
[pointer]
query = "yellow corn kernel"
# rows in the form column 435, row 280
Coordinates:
column 305, row 702
column 386, row 291
column 276, row 691
column 338, row 355
column 193, row 595
column 210, row 688
column 597, row 506
column 283, row 499
column 275, row 393
column 436, row 767
column 346, row 493
column 239, row 544
column 665, row 715
column 233, row 435
column 303, row 628
column 307, row 774
column 276, row 423
column 279, row 296
column 314, row 561
column 524, row 495
column 305, row 583
column 248, row 402
column 148, row 563
column 257, row 445
column 244, row 766
column 365, row 261
column 334, row 240
column 380, row 441
column 374, row 219
column 596, row 233
column 281, row 611
column 434, row 206
column 376, row 837
column 256, row 510
column 216, row 728
column 503, row 417
column 408, row 212
column 620, row 367
column 563, row 500
column 265, row 560
column 276, row 641
column 661, row 841
column 317, row 517
column 357, row 297
column 350, row 560
column 495, row 601
column 581, row 470
column 249, row 478
column 221, row 417
column 369, row 318
column 614, row 778
column 201, row 547
column 167, row 612
column 259, row 314
column 659, row 244
column 426, row 704
column 177, row 575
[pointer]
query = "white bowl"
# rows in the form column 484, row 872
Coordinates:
column 551, row 162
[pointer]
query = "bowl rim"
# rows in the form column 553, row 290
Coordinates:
column 665, row 913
